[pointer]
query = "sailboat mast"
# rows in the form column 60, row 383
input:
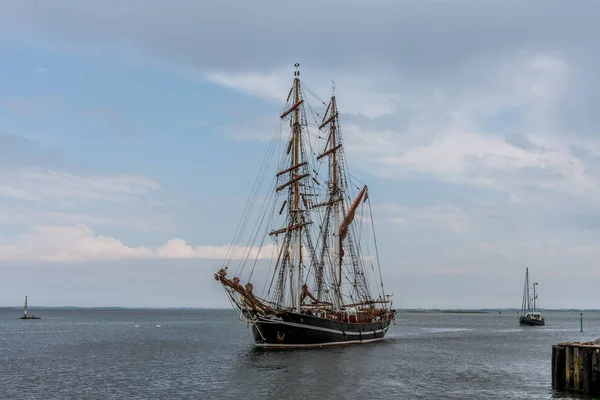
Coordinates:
column 296, row 161
column 527, row 286
column 534, row 296
column 336, row 206
column 333, row 145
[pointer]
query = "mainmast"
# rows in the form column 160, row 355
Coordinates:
column 336, row 205
column 330, row 118
column 296, row 161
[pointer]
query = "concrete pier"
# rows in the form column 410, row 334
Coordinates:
column 575, row 367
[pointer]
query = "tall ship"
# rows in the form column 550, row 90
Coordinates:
column 529, row 314
column 312, row 250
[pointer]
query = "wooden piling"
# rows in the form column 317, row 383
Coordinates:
column 558, row 367
column 575, row 367
column 586, row 369
column 554, row 366
column 595, row 370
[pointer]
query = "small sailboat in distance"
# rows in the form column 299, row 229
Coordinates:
column 529, row 315
column 25, row 316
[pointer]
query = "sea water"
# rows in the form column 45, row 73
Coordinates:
column 208, row 354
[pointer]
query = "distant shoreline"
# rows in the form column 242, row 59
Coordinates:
column 399, row 310
column 117, row 308
column 489, row 310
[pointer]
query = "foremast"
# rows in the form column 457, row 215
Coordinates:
column 296, row 160
column 290, row 263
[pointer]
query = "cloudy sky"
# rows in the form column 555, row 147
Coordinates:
column 131, row 132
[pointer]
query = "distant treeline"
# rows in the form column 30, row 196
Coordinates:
column 115, row 308
column 486, row 310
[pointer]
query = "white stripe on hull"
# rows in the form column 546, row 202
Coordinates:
column 318, row 328
column 275, row 346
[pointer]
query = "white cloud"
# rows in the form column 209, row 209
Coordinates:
column 261, row 129
column 494, row 248
column 363, row 94
column 36, row 189
column 515, row 199
column 68, row 244
column 447, row 217
column 178, row 248
column 154, row 220
column 446, row 140
column 42, row 184
column 275, row 85
column 79, row 243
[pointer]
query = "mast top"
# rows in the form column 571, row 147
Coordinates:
column 332, row 88
column 297, row 72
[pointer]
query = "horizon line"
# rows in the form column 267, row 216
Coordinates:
column 486, row 309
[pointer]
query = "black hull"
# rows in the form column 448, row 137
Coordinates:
column 292, row 330
column 31, row 318
column 531, row 321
